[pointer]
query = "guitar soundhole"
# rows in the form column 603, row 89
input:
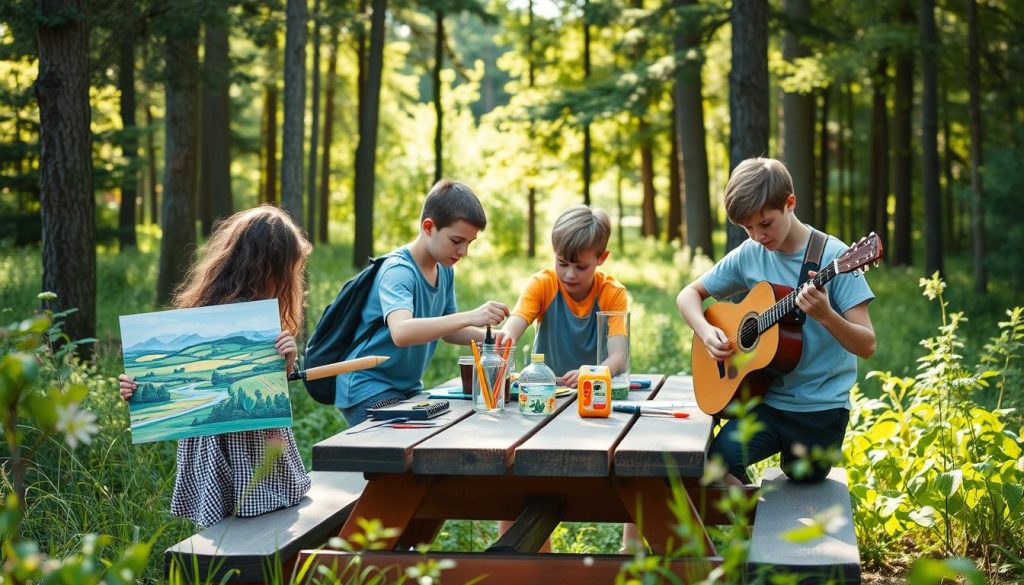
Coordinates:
column 747, row 337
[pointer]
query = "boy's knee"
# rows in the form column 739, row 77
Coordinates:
column 805, row 471
column 731, row 458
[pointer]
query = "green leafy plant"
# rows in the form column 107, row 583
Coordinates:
column 931, row 470
column 38, row 394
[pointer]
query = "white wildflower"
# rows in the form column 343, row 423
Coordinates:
column 78, row 425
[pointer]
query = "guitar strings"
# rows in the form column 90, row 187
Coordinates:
column 753, row 325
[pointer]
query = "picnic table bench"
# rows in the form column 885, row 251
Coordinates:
column 249, row 549
column 537, row 472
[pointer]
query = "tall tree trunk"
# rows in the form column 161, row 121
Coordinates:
column 876, row 218
column 531, row 192
column 977, row 168
column 649, row 221
column 154, row 200
column 851, row 166
column 438, row 107
column 676, row 197
column 294, row 133
column 748, row 90
column 314, row 137
column 361, row 56
column 182, row 118
column 953, row 229
column 270, row 128
column 688, row 95
column 843, row 169
column 903, row 103
column 129, row 144
column 366, row 151
column 620, row 208
column 929, row 139
column 325, row 159
column 67, row 204
column 821, row 202
column 587, row 146
column 649, row 213
column 798, row 113
column 215, row 150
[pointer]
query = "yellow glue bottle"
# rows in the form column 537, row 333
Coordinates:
column 594, row 388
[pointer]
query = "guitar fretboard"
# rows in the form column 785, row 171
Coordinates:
column 787, row 303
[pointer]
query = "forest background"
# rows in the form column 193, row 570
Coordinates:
column 127, row 128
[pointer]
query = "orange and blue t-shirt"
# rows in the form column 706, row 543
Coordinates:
column 566, row 328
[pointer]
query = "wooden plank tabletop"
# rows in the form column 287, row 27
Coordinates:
column 659, row 446
column 571, row 446
column 381, row 449
column 482, row 444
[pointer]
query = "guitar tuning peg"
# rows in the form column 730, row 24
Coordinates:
column 876, row 263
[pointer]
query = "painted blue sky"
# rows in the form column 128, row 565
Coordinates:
column 214, row 321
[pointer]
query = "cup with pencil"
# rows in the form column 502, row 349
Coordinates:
column 491, row 366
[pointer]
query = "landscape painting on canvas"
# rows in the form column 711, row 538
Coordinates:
column 205, row 371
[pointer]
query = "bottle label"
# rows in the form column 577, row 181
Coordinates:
column 600, row 395
column 536, row 399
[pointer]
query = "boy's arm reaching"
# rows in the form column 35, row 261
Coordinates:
column 690, row 302
column 515, row 327
column 406, row 330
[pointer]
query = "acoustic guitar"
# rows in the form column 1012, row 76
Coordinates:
column 765, row 340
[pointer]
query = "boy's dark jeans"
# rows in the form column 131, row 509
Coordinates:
column 817, row 432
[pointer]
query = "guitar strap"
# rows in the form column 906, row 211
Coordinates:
column 812, row 261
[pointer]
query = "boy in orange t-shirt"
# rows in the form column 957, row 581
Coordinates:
column 565, row 300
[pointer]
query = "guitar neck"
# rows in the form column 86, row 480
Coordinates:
column 787, row 303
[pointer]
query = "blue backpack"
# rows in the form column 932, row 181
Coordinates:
column 334, row 336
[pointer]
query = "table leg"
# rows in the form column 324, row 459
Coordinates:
column 419, row 531
column 393, row 499
column 657, row 511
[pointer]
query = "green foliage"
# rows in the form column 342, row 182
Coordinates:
column 147, row 392
column 932, row 471
column 41, row 391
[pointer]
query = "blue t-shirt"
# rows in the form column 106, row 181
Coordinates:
column 398, row 285
column 826, row 371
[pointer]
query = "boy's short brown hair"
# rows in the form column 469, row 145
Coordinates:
column 580, row 228
column 450, row 201
column 755, row 185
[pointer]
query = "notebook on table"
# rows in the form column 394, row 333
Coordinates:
column 417, row 409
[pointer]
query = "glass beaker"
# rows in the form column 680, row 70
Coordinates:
column 613, row 349
column 489, row 397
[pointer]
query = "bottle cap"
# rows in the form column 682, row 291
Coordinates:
column 536, row 357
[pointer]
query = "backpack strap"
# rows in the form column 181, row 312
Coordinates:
column 812, row 262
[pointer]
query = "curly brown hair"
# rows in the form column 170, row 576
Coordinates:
column 253, row 255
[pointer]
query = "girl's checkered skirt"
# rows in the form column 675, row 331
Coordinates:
column 214, row 474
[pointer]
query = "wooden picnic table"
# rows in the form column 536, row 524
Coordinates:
column 537, row 471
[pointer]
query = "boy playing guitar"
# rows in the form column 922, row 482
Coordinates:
column 807, row 409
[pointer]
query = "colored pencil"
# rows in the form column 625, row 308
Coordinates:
column 499, row 381
column 484, row 388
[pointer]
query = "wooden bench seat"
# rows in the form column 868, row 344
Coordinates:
column 785, row 505
column 252, row 545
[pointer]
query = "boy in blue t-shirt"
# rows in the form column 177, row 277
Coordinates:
column 414, row 293
column 808, row 409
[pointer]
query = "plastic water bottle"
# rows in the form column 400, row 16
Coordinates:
column 537, row 387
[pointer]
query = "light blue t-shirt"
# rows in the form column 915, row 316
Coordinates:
column 398, row 285
column 826, row 371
